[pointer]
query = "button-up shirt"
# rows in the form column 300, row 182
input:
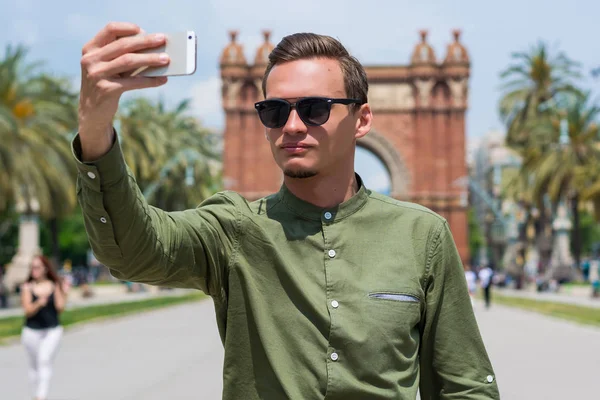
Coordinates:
column 365, row 300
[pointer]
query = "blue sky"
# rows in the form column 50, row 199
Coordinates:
column 377, row 32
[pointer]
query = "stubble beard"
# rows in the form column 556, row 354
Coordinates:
column 299, row 174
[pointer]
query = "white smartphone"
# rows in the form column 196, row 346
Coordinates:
column 181, row 48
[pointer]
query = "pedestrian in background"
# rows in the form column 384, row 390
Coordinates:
column 485, row 281
column 43, row 297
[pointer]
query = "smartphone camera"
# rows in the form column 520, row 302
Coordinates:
column 190, row 37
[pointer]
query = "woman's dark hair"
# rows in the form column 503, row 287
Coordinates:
column 50, row 271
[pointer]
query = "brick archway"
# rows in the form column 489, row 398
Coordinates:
column 418, row 134
column 391, row 159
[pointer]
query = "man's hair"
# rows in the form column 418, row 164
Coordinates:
column 300, row 46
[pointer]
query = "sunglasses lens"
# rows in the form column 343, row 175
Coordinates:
column 273, row 114
column 314, row 111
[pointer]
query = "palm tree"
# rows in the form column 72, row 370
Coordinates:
column 174, row 159
column 185, row 181
column 37, row 116
column 532, row 84
column 569, row 169
column 144, row 139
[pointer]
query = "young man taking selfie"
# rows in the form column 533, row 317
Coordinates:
column 322, row 290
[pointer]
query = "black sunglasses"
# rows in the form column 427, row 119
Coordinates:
column 313, row 111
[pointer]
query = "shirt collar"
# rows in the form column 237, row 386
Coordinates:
column 313, row 212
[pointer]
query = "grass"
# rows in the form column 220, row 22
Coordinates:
column 11, row 326
column 571, row 312
column 106, row 283
column 576, row 284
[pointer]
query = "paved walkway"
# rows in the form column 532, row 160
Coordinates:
column 176, row 353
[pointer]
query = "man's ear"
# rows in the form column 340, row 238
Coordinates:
column 363, row 123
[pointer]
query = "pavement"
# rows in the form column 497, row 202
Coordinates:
column 176, row 353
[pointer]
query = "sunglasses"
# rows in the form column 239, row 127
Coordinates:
column 313, row 111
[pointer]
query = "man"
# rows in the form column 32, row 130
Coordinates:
column 322, row 290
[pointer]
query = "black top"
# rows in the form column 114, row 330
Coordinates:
column 46, row 317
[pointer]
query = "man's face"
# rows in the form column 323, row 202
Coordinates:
column 303, row 151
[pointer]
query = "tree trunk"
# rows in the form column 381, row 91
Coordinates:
column 53, row 225
column 576, row 231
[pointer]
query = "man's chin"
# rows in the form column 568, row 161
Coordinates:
column 299, row 173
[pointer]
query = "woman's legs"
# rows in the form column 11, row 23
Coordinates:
column 47, row 351
column 31, row 339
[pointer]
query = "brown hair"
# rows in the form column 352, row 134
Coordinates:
column 301, row 46
column 50, row 272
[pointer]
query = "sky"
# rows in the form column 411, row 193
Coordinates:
column 376, row 32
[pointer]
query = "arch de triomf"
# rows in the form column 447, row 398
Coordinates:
column 418, row 132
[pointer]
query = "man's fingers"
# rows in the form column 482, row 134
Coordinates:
column 139, row 82
column 129, row 45
column 110, row 33
column 125, row 63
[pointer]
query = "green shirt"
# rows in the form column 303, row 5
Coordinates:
column 366, row 300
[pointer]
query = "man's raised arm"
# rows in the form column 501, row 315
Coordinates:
column 138, row 242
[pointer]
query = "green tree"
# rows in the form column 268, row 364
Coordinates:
column 37, row 116
column 476, row 237
column 567, row 170
column 174, row 159
column 531, row 85
column 534, row 85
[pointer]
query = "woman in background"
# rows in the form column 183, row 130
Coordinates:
column 43, row 297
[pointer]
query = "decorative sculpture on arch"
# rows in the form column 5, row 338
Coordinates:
column 424, row 87
column 458, row 88
column 232, row 90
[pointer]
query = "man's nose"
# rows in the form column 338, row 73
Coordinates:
column 294, row 124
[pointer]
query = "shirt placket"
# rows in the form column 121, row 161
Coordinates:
column 330, row 254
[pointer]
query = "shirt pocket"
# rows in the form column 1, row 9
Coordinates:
column 393, row 313
column 389, row 337
column 393, row 296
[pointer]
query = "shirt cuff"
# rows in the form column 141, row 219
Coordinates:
column 102, row 173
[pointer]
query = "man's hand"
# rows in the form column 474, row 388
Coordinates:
column 104, row 62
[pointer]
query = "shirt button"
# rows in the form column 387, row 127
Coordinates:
column 103, row 220
column 335, row 304
column 334, row 356
column 490, row 378
column 327, row 215
column 331, row 253
column 91, row 175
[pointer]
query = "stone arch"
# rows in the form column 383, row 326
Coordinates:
column 392, row 160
